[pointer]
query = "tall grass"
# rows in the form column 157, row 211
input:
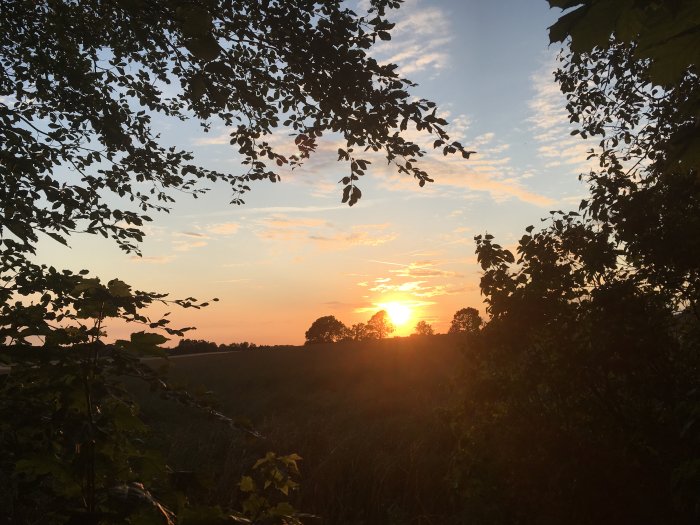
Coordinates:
column 366, row 418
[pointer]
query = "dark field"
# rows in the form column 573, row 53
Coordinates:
column 367, row 418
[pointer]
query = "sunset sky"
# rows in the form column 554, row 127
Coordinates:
column 294, row 253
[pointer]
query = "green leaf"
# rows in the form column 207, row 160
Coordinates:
column 247, row 484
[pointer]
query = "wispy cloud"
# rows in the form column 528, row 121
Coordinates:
column 415, row 281
column 322, row 233
column 224, row 228
column 196, row 235
column 354, row 238
column 421, row 269
column 419, row 39
column 549, row 121
column 187, row 244
column 281, row 227
column 375, row 306
column 160, row 259
column 489, row 171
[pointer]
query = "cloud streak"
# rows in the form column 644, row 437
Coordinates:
column 419, row 39
column 322, row 233
column 549, row 122
column 489, row 171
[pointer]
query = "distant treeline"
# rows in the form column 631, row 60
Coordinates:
column 201, row 346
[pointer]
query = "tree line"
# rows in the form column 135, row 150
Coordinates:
column 328, row 329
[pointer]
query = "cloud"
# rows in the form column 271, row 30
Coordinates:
column 281, row 227
column 322, row 233
column 376, row 306
column 353, row 238
column 224, row 228
column 193, row 234
column 360, row 235
column 419, row 39
column 423, row 269
column 488, row 171
column 158, row 259
column 420, row 289
column 549, row 122
column 184, row 245
column 416, row 281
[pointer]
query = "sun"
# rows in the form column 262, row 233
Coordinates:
column 399, row 313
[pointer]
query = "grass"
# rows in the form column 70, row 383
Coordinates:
column 366, row 418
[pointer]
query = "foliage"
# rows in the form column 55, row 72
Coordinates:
column 81, row 85
column 200, row 346
column 467, row 320
column 326, row 329
column 72, row 438
column 664, row 33
column 423, row 328
column 379, row 326
column 274, row 476
column 194, row 346
column 582, row 392
column 358, row 332
column 363, row 416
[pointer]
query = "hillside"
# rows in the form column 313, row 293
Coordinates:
column 366, row 418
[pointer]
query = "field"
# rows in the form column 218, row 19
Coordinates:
column 367, row 418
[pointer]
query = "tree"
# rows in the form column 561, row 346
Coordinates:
column 379, row 326
column 358, row 332
column 467, row 320
column 326, row 329
column 638, row 91
column 81, row 84
column 84, row 103
column 585, row 379
column 423, row 328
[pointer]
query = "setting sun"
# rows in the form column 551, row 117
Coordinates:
column 399, row 313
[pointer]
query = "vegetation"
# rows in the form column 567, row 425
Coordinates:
column 199, row 346
column 379, row 326
column 326, row 329
column 367, row 418
column 579, row 399
column 467, row 320
column 580, row 395
column 80, row 87
column 423, row 328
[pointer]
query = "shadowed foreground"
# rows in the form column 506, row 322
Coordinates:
column 364, row 416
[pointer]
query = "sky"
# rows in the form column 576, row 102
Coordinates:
column 294, row 253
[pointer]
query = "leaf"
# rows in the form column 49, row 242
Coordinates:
column 246, row 484
column 205, row 48
column 118, row 288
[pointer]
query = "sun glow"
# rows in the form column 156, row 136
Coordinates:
column 399, row 313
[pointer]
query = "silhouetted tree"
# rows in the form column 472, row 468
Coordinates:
column 423, row 328
column 358, row 332
column 195, row 346
column 81, row 84
column 326, row 329
column 379, row 326
column 467, row 320
column 585, row 379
